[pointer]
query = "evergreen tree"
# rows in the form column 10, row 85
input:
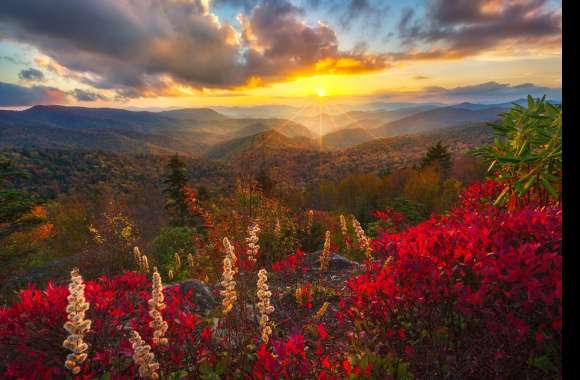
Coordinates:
column 175, row 182
column 439, row 155
column 15, row 207
column 265, row 182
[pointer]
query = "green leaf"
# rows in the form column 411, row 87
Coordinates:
column 548, row 186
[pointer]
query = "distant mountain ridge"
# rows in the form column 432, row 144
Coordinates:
column 259, row 144
column 424, row 121
column 186, row 131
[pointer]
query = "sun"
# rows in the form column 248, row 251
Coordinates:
column 320, row 92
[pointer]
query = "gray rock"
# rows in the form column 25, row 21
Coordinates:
column 335, row 264
column 200, row 292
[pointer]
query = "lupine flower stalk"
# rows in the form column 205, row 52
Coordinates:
column 177, row 260
column 137, row 256
column 77, row 326
column 143, row 357
column 363, row 240
column 190, row 261
column 229, row 293
column 325, row 256
column 264, row 305
column 252, row 240
column 156, row 304
column 144, row 263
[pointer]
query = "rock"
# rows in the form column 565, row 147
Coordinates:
column 335, row 264
column 200, row 292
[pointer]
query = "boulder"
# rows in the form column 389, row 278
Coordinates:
column 200, row 292
column 336, row 263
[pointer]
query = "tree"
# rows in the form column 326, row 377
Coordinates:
column 15, row 207
column 265, row 182
column 439, row 155
column 175, row 182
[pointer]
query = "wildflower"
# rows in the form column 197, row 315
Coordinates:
column 309, row 219
column 252, row 240
column 264, row 305
column 344, row 231
column 190, row 261
column 363, row 241
column 320, row 313
column 230, row 252
column 144, row 264
column 156, row 304
column 76, row 325
column 177, row 261
column 325, row 256
column 143, row 357
column 137, row 255
column 229, row 294
column 170, row 274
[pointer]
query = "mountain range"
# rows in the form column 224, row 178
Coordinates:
column 213, row 134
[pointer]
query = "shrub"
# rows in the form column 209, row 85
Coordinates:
column 169, row 241
column 527, row 153
column 476, row 294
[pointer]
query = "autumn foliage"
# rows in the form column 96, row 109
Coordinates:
column 476, row 293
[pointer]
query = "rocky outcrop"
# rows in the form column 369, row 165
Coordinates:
column 199, row 292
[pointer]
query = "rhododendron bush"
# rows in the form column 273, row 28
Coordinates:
column 476, row 293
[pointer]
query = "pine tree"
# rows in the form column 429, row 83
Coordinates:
column 439, row 155
column 175, row 182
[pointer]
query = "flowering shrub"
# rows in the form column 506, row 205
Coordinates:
column 476, row 294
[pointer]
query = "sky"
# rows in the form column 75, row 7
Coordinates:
column 198, row 53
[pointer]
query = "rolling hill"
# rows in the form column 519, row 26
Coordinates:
column 122, row 131
column 264, row 143
column 418, row 122
column 437, row 118
column 200, row 114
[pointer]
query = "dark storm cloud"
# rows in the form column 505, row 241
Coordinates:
column 12, row 95
column 31, row 75
column 457, row 28
column 145, row 48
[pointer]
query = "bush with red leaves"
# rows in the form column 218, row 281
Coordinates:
column 475, row 294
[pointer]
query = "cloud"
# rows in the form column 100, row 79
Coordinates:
column 86, row 96
column 156, row 47
column 459, row 28
column 365, row 14
column 488, row 92
column 420, row 77
column 12, row 95
column 31, row 75
column 280, row 45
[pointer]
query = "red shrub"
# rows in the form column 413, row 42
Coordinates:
column 31, row 330
column 476, row 293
